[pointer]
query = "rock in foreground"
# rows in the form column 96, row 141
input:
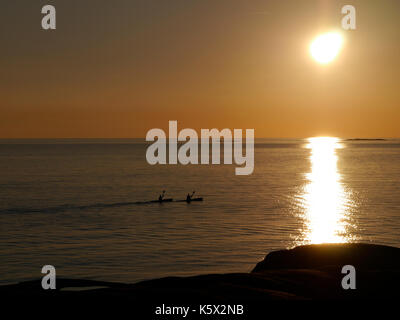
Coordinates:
column 303, row 273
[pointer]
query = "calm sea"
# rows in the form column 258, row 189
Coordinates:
column 70, row 203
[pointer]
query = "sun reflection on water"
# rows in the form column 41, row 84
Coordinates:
column 324, row 199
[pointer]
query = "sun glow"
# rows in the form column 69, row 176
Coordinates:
column 326, row 47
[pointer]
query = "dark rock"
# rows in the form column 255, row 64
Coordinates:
column 310, row 272
column 320, row 256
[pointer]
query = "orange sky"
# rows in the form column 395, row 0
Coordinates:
column 120, row 68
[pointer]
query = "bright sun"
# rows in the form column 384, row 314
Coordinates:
column 325, row 47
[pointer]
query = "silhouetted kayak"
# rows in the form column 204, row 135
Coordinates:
column 191, row 200
column 196, row 199
column 163, row 200
column 167, row 200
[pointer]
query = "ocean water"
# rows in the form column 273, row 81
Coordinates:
column 71, row 204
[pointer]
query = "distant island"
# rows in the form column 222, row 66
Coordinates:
column 366, row 139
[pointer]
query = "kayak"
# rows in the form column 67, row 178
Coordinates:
column 168, row 200
column 194, row 199
column 163, row 200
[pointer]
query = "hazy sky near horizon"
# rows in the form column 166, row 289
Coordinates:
column 120, row 68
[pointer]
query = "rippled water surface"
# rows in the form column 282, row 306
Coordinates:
column 71, row 204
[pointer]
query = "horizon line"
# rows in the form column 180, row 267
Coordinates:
column 144, row 138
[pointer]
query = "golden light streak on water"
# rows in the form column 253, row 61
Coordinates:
column 325, row 200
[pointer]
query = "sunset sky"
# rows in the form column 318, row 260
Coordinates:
column 120, row 68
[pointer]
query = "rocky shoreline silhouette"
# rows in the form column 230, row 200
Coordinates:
column 311, row 272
